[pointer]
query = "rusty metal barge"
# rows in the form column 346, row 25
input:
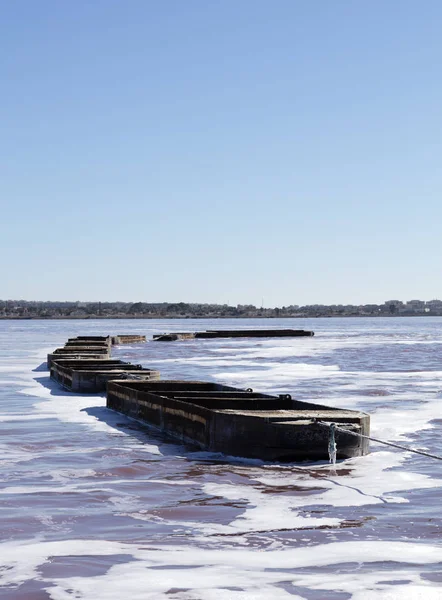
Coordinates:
column 240, row 422
column 83, row 365
column 231, row 333
column 93, row 347
column 90, row 376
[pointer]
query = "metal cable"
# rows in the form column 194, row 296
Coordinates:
column 378, row 441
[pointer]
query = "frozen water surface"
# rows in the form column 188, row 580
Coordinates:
column 96, row 506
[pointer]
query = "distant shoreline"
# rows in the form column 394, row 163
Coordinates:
column 228, row 317
column 67, row 310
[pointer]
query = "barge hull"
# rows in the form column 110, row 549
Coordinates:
column 231, row 333
column 281, row 433
column 117, row 340
column 91, row 377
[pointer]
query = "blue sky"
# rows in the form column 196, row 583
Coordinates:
column 222, row 151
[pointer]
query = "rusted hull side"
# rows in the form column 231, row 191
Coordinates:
column 90, row 377
column 258, row 426
column 127, row 339
column 232, row 333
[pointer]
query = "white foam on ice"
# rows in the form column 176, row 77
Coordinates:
column 11, row 418
column 12, row 456
column 66, row 406
column 11, row 382
column 395, row 584
column 23, row 368
column 276, row 374
column 204, row 361
column 55, row 403
column 372, row 479
column 64, row 481
column 393, row 424
column 273, row 351
column 261, row 513
column 205, row 573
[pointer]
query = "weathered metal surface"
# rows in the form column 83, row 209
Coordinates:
column 78, row 352
column 82, row 348
column 91, row 376
column 239, row 422
column 91, row 338
column 85, row 343
column 231, row 333
column 172, row 337
column 127, row 339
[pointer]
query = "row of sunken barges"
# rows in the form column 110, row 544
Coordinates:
column 211, row 416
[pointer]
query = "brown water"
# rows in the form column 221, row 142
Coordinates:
column 94, row 505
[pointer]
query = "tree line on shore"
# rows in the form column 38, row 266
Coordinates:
column 26, row 309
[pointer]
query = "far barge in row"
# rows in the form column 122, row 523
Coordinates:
column 231, row 333
column 90, row 376
column 93, row 347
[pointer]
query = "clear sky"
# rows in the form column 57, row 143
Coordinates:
column 221, row 150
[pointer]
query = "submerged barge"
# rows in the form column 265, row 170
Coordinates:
column 91, row 376
column 232, row 333
column 117, row 340
column 94, row 347
column 240, row 422
column 100, row 339
column 80, row 352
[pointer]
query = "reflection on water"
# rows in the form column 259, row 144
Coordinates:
column 95, row 505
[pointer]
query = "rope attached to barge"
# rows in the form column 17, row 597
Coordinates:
column 333, row 427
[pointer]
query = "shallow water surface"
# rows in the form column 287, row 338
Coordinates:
column 97, row 506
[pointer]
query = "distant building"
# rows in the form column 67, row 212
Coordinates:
column 434, row 305
column 416, row 306
column 394, row 306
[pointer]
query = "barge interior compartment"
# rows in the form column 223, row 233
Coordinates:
column 77, row 353
column 86, row 344
column 92, row 338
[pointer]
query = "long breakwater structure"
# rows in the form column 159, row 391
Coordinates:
column 211, row 416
